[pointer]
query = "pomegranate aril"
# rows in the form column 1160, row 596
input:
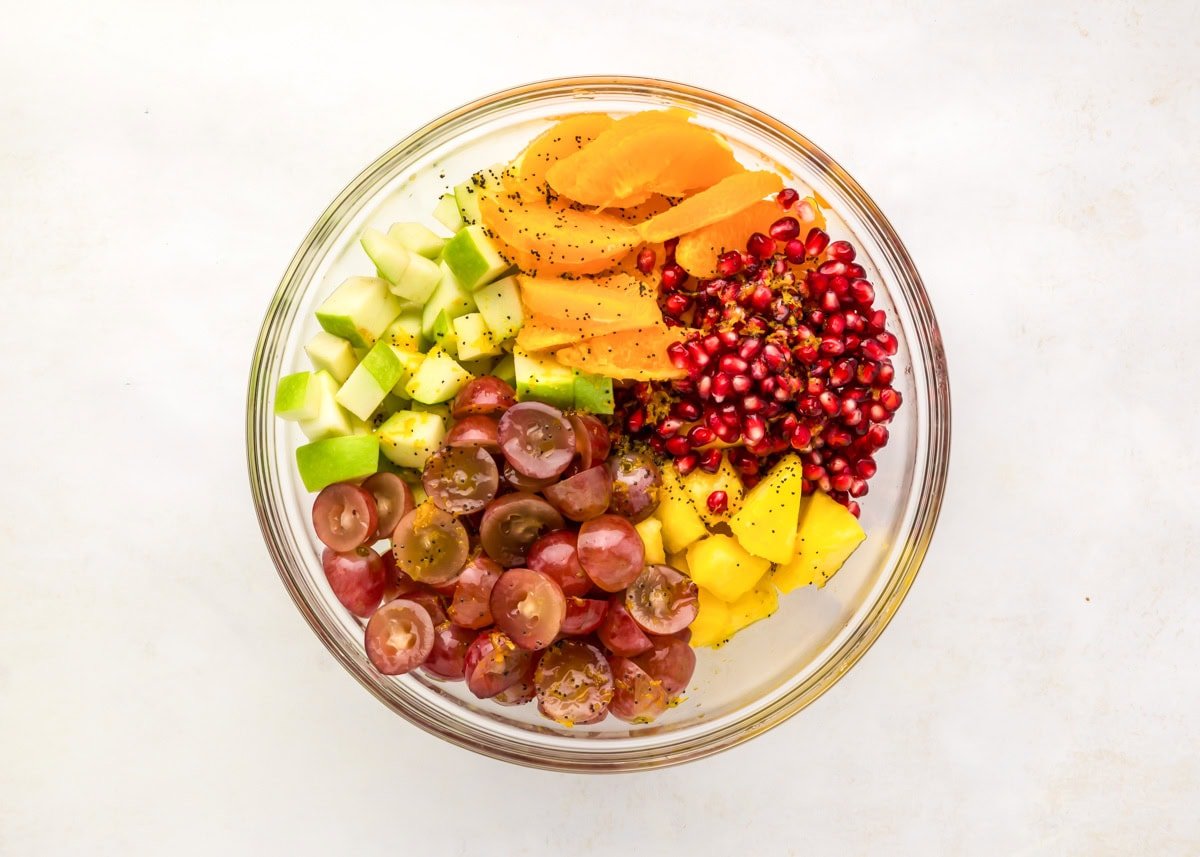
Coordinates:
column 678, row 355
column 701, row 436
column 890, row 399
column 673, row 277
column 733, row 364
column 800, row 437
column 755, row 428
column 872, row 350
column 829, row 303
column 855, row 271
column 813, row 472
column 842, row 482
column 858, row 488
column 774, row 356
column 815, row 242
column 877, row 436
column 888, row 341
column 829, row 402
column 841, row 251
column 854, row 509
column 785, row 229
column 862, row 292
column 686, row 410
column 635, row 421
column 835, row 325
column 686, row 464
column 722, row 386
column 718, row 502
column 760, row 297
column 795, row 251
column 741, row 383
column 877, row 321
column 645, row 260
column 887, row 373
column 865, row 467
column 729, row 263
column 669, row 427
column 761, row 246
column 832, row 269
column 876, row 412
column 787, row 197
column 749, row 348
column 728, row 433
column 833, row 346
column 704, row 386
column 751, row 404
column 676, row 304
column 678, row 446
column 710, row 462
column 841, row 373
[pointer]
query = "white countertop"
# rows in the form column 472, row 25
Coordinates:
column 1039, row 692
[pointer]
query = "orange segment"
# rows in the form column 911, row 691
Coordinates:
column 652, row 206
column 591, row 307
column 639, row 354
column 560, row 140
column 640, row 154
column 697, row 251
column 540, row 333
column 555, row 239
column 724, row 199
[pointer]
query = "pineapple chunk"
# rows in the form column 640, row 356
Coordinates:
column 681, row 524
column 651, row 532
column 827, row 536
column 712, row 623
column 700, row 484
column 759, row 603
column 724, row 567
column 766, row 523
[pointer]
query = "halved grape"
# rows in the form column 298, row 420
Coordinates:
column 393, row 500
column 494, row 663
column 448, row 657
column 637, row 696
column 399, row 584
column 584, row 616
column 554, row 554
column 472, row 604
column 592, row 441
column 399, row 637
column 611, row 552
column 430, row 545
column 574, row 683
column 357, row 578
column 671, row 661
column 662, row 600
column 620, row 633
column 475, row 431
column 536, row 439
column 524, row 689
column 637, row 485
column 512, row 523
column 461, row 479
column 486, row 394
column 521, row 482
column 434, row 604
column 529, row 607
column 584, row 495
column 344, row 516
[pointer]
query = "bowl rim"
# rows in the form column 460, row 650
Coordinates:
column 936, row 436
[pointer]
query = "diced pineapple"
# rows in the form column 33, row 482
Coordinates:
column 828, row 534
column 712, row 623
column 766, row 523
column 681, row 524
column 759, row 603
column 700, row 484
column 651, row 532
column 722, row 566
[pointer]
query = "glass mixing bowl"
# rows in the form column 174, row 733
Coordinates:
column 766, row 673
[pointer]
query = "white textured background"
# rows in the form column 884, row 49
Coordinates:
column 1038, row 694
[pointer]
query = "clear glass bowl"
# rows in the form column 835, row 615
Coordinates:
column 766, row 673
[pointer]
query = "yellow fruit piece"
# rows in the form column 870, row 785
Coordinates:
column 759, row 603
column 724, row 567
column 678, row 561
column 700, row 484
column 766, row 523
column 827, row 536
column 680, row 524
column 651, row 532
column 711, row 625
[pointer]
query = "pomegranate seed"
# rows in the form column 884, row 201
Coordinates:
column 718, row 502
column 635, row 421
column 686, row 464
column 865, row 467
column 841, row 372
column 699, row 356
column 729, row 416
column 854, row 508
column 835, row 437
column 822, row 366
column 760, row 297
column 710, row 462
column 876, row 322
column 806, row 211
column 741, row 383
column 795, row 251
column 872, row 350
column 676, row 304
column 815, row 242
column 862, row 292
column 760, row 246
column 806, row 354
column 835, row 325
column 849, row 406
column 669, row 249
column 711, row 344
column 673, row 277
column 687, row 410
column 829, row 403
column 813, row 472
column 830, row 303
column 645, row 260
column 751, row 480
column 841, row 251
column 806, row 488
column 887, row 341
column 749, row 347
column 890, row 399
column 837, row 464
column 852, row 342
column 855, row 322
column 732, row 364
column 815, row 386
column 800, row 437
column 829, row 345
column 752, row 404
column 787, row 197
column 704, row 386
column 832, row 269
column 758, row 369
column 755, row 427
column 877, row 436
column 678, row 356
column 728, row 433
column 669, row 428
column 858, row 488
column 729, row 263
column 809, row 406
column 876, row 412
column 722, row 385
column 855, row 417
column 768, row 385
column 887, row 372
column 701, row 436
column 785, row 229
column 678, row 446
column 774, row 356
column 656, row 444
column 842, row 482
column 855, row 271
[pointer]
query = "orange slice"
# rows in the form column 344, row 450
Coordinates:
column 697, row 251
column 723, row 200
column 590, row 306
column 560, row 140
column 540, row 334
column 639, row 354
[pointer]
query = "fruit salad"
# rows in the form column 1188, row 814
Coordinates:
column 615, row 398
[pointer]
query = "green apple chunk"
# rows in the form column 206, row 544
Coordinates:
column 500, row 305
column 506, row 370
column 446, row 213
column 373, row 379
column 418, row 281
column 473, row 258
column 479, row 367
column 418, row 238
column 473, row 337
column 332, row 354
column 541, row 378
column 359, row 310
column 405, row 331
column 443, row 334
column 391, row 258
column 438, row 379
column 408, row 438
column 449, row 297
column 337, row 459
column 441, row 409
column 467, row 193
column 411, row 276
column 296, row 397
column 593, row 393
column 411, row 361
column 331, row 419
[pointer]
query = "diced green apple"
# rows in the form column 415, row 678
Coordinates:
column 479, row 367
column 473, row 258
column 506, row 370
column 331, row 354
column 373, row 379
column 441, row 409
column 297, row 397
column 593, row 393
column 411, row 361
column 408, row 438
column 418, row 281
column 467, row 193
column 337, row 459
column 359, row 310
column 391, row 258
column 405, row 331
column 331, row 419
column 541, row 378
column 418, row 238
column 449, row 297
column 473, row 337
column 500, row 305
column 438, row 379
column 446, row 213
column 443, row 334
